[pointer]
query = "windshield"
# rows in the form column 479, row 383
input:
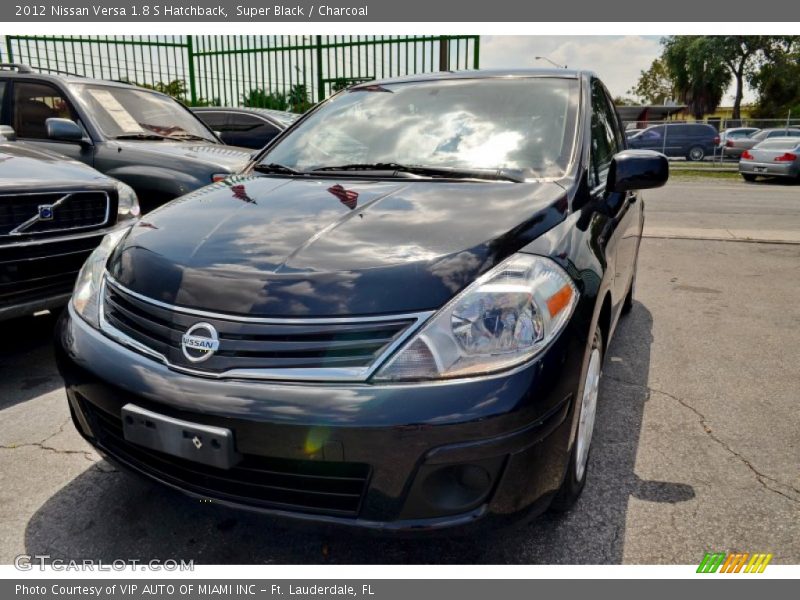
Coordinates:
column 510, row 123
column 130, row 112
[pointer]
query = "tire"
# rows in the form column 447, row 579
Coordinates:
column 575, row 477
column 696, row 154
column 748, row 177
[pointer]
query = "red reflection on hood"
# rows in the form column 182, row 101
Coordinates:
column 240, row 193
column 347, row 197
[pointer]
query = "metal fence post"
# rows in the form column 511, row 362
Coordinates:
column 192, row 83
column 444, row 53
column 477, row 51
column 8, row 49
column 320, row 76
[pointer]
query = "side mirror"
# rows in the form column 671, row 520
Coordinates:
column 8, row 133
column 637, row 170
column 64, row 130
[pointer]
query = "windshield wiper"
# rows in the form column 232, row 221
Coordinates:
column 140, row 136
column 515, row 175
column 276, row 168
column 188, row 136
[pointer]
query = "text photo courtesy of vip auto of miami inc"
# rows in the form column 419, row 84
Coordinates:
column 399, row 300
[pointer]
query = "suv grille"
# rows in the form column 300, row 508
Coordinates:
column 264, row 348
column 25, row 214
column 335, row 488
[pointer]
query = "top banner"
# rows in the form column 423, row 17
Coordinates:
column 464, row 11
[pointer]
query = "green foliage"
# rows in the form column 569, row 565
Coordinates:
column 295, row 100
column 625, row 101
column 777, row 78
column 697, row 70
column 655, row 85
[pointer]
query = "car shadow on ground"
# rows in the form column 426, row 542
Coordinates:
column 27, row 368
column 108, row 515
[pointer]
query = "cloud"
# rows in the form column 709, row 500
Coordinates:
column 617, row 60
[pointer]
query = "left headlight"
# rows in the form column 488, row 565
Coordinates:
column 86, row 295
column 506, row 317
column 128, row 203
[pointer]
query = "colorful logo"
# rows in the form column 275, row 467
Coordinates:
column 737, row 562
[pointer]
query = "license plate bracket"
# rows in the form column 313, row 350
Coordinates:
column 206, row 444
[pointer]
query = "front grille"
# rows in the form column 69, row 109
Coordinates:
column 27, row 214
column 38, row 271
column 320, row 487
column 252, row 345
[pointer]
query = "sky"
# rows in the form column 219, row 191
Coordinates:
column 617, row 60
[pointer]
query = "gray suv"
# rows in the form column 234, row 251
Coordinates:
column 141, row 137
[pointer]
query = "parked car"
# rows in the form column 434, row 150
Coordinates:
column 404, row 332
column 141, row 137
column 53, row 213
column 694, row 141
column 774, row 157
column 733, row 133
column 246, row 127
column 735, row 147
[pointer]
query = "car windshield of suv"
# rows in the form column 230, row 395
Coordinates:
column 133, row 113
column 510, row 123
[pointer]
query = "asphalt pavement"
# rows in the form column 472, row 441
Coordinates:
column 696, row 447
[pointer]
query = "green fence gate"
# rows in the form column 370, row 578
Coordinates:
column 283, row 72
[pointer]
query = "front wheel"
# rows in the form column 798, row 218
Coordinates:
column 696, row 153
column 575, row 478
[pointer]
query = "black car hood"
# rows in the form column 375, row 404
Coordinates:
column 23, row 168
column 228, row 158
column 329, row 247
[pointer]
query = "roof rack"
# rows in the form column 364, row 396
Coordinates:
column 20, row 68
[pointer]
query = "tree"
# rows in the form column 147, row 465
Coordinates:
column 738, row 53
column 625, row 101
column 654, row 85
column 776, row 77
column 699, row 73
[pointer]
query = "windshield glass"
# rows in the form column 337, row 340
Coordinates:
column 122, row 111
column 512, row 123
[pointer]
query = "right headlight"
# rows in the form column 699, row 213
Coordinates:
column 86, row 295
column 503, row 319
column 127, row 203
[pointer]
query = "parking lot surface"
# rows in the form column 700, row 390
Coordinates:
column 696, row 447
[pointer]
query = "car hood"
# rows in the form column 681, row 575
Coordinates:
column 33, row 170
column 273, row 246
column 228, row 158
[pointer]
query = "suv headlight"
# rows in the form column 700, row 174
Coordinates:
column 503, row 319
column 128, row 203
column 86, row 295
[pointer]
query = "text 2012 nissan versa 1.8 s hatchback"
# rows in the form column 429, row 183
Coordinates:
column 394, row 319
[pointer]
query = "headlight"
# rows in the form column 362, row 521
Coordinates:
column 128, row 203
column 503, row 319
column 86, row 295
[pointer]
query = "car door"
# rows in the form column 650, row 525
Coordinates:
column 33, row 102
column 622, row 208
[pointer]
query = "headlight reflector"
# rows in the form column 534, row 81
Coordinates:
column 503, row 319
column 127, row 203
column 86, row 295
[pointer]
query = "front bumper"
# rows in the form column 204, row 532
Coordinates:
column 751, row 167
column 396, row 457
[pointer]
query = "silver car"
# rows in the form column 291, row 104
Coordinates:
column 775, row 157
column 735, row 146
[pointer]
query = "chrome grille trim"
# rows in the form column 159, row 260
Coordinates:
column 316, row 374
column 22, row 228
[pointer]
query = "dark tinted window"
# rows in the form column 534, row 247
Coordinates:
column 606, row 139
column 2, row 96
column 241, row 129
column 215, row 120
column 34, row 103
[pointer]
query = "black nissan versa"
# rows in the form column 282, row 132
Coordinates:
column 394, row 319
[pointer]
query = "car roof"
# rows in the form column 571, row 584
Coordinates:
column 71, row 78
column 268, row 112
column 482, row 74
